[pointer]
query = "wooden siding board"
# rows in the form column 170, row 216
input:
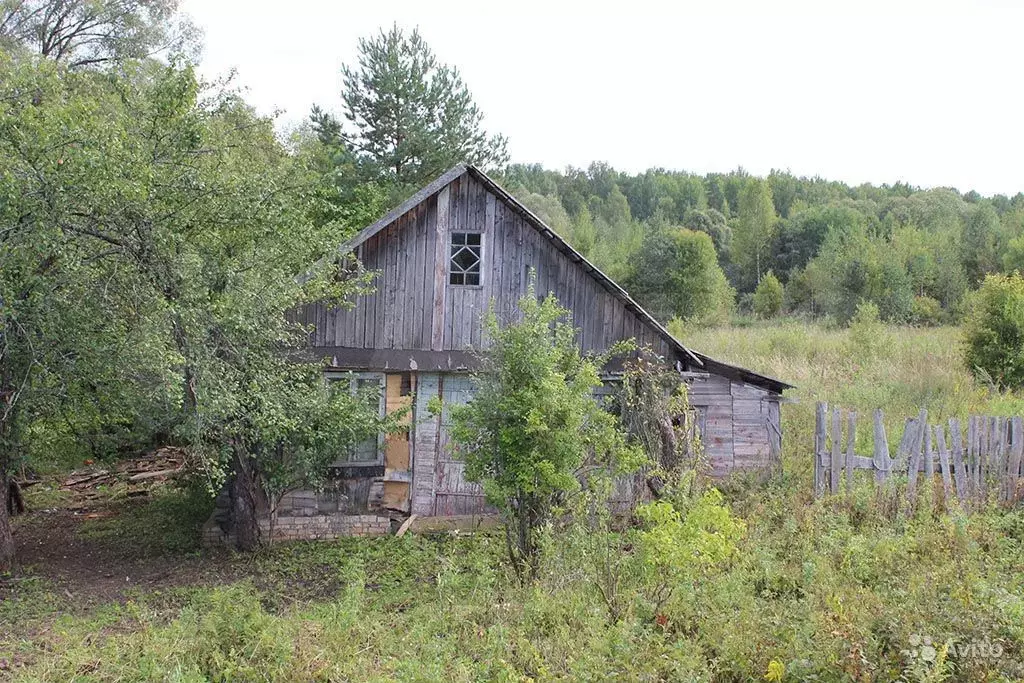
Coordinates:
column 405, row 315
column 415, row 339
column 428, row 271
column 440, row 270
column 506, row 274
column 379, row 295
column 391, row 239
column 369, row 260
column 424, row 437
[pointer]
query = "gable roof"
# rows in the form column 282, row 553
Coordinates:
column 701, row 360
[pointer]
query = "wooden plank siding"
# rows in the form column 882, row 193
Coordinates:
column 414, row 307
column 416, row 321
column 714, row 395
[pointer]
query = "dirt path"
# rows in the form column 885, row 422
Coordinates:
column 51, row 545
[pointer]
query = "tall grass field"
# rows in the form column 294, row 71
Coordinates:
column 839, row 589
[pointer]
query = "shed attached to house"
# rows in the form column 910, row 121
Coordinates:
column 441, row 258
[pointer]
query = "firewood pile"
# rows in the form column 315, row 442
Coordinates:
column 137, row 475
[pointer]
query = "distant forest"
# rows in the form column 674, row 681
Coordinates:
column 914, row 253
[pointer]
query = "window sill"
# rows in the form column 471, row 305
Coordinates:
column 356, row 470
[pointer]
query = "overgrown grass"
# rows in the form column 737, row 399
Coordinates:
column 167, row 522
column 843, row 589
column 898, row 369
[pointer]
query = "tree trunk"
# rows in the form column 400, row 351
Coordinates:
column 6, row 537
column 245, row 501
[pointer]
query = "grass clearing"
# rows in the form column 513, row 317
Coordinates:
column 842, row 589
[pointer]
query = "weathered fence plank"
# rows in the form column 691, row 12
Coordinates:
column 851, row 443
column 972, row 455
column 819, row 449
column 929, row 462
column 837, row 446
column 960, row 468
column 1016, row 455
column 881, row 460
column 921, row 428
column 947, row 479
column 982, row 463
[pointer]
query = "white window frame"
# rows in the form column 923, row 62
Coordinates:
column 483, row 253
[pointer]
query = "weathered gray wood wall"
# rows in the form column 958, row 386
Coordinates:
column 415, row 308
column 439, row 483
column 742, row 423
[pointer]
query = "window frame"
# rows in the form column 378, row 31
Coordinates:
column 353, row 379
column 482, row 253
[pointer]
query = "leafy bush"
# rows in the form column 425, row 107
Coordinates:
column 927, row 311
column 533, row 422
column 676, row 274
column 994, row 330
column 867, row 333
column 768, row 296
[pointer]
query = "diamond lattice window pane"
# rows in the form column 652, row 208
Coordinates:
column 466, row 259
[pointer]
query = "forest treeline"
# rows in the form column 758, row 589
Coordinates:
column 696, row 246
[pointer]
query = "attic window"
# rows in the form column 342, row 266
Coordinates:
column 464, row 265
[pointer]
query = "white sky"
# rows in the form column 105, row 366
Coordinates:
column 928, row 93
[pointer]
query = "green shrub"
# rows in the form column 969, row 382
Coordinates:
column 768, row 296
column 534, row 421
column 867, row 333
column 927, row 311
column 994, row 330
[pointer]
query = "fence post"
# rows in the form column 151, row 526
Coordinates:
column 985, row 434
column 851, row 441
column 959, row 467
column 929, row 464
column 915, row 455
column 819, row 448
column 837, row 449
column 1016, row 454
column 903, row 450
column 1004, row 459
column 881, row 460
column 947, row 481
column 972, row 455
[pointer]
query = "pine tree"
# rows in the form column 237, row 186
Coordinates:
column 409, row 116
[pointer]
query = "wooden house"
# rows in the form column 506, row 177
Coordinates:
column 441, row 258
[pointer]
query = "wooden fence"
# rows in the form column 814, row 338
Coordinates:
column 979, row 465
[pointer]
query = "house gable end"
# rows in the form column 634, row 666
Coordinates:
column 416, row 310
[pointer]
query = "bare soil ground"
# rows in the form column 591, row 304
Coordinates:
column 96, row 545
column 51, row 545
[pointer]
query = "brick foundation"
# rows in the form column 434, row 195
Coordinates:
column 305, row 528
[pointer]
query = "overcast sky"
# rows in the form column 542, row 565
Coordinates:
column 928, row 93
